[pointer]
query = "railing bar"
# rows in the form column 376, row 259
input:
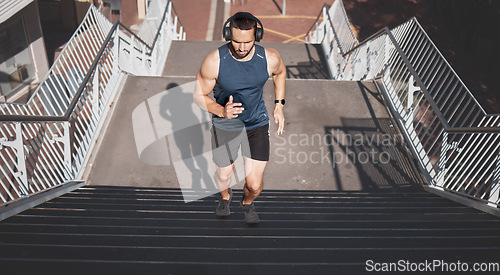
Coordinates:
column 9, row 181
column 464, row 156
column 63, row 87
column 432, row 63
column 401, row 74
column 9, row 155
column 421, row 51
column 457, row 106
column 441, row 91
column 455, row 97
column 97, row 27
column 10, row 168
column 433, row 84
column 36, row 104
column 424, row 60
column 86, row 37
column 441, row 132
column 409, row 44
column 476, row 163
column 468, row 115
column 486, row 173
column 416, row 58
column 432, row 43
column 449, row 94
column 45, row 157
column 75, row 56
column 50, row 108
column 427, row 128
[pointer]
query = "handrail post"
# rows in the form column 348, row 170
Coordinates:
column 95, row 91
column 495, row 187
column 65, row 139
column 18, row 145
column 169, row 22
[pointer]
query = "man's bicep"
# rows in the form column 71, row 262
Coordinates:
column 207, row 76
column 204, row 85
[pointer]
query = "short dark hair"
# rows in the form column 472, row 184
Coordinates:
column 243, row 23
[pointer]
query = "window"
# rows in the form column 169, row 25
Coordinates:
column 16, row 64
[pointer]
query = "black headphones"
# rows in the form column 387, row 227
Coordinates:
column 227, row 33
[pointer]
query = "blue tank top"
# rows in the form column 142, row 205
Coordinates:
column 245, row 81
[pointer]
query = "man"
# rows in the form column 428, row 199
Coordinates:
column 236, row 73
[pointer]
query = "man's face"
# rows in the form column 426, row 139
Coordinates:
column 242, row 42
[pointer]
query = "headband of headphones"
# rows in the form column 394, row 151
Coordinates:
column 227, row 32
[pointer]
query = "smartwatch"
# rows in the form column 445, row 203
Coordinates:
column 282, row 101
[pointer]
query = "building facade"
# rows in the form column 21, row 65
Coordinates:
column 23, row 59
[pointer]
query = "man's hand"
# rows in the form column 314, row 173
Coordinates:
column 231, row 110
column 279, row 117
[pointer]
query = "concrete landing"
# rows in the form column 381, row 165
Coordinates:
column 338, row 136
column 303, row 61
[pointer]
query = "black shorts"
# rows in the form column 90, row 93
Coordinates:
column 254, row 144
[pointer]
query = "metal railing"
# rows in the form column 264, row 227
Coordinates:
column 455, row 142
column 46, row 142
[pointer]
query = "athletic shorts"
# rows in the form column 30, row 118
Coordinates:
column 254, row 144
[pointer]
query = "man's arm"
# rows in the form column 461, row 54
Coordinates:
column 205, row 83
column 278, row 71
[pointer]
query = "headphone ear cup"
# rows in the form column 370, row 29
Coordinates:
column 226, row 33
column 259, row 33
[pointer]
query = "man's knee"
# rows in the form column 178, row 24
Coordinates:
column 255, row 187
column 223, row 176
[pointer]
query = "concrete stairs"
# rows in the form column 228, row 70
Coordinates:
column 125, row 230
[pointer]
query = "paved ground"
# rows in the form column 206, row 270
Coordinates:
column 303, row 61
column 338, row 135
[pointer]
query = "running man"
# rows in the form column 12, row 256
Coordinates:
column 236, row 74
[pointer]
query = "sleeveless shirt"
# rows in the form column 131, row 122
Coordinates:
column 245, row 81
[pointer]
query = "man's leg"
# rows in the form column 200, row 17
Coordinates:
column 254, row 170
column 223, row 179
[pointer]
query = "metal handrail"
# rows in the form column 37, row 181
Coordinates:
column 80, row 90
column 162, row 22
column 455, row 143
column 325, row 6
column 135, row 35
column 435, row 108
column 42, row 152
column 87, row 77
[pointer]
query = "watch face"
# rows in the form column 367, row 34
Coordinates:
column 282, row 101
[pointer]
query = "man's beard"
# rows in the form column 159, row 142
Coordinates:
column 238, row 55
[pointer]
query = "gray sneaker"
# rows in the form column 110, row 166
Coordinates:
column 251, row 216
column 222, row 209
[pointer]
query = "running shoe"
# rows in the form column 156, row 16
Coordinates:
column 222, row 209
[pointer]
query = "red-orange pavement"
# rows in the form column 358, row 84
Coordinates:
column 194, row 16
column 300, row 16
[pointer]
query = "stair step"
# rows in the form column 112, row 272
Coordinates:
column 343, row 215
column 249, row 241
column 231, row 255
column 137, row 230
